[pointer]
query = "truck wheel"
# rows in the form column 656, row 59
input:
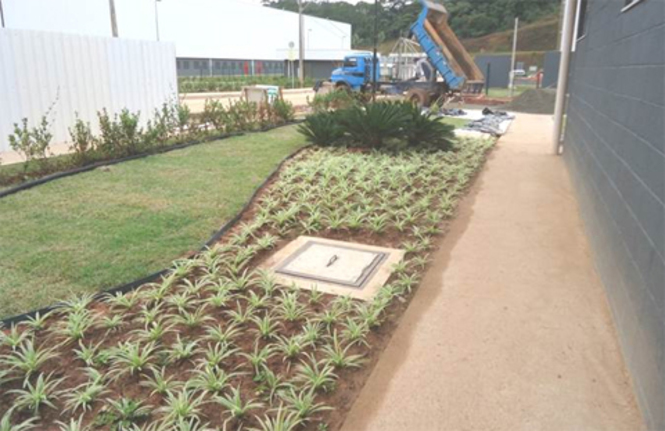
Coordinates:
column 418, row 96
column 343, row 86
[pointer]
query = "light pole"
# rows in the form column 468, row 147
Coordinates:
column 513, row 58
column 157, row 19
column 301, row 43
column 2, row 15
column 114, row 22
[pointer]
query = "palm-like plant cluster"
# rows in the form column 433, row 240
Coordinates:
column 378, row 125
column 217, row 343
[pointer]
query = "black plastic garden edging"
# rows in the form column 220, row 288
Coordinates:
column 154, row 276
column 48, row 178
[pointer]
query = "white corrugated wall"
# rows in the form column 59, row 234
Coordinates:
column 79, row 74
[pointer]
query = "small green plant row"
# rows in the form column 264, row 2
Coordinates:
column 243, row 116
column 377, row 125
column 122, row 135
column 218, row 332
column 236, row 83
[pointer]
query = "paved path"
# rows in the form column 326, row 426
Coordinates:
column 510, row 329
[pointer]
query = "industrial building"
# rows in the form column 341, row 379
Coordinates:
column 615, row 151
column 212, row 37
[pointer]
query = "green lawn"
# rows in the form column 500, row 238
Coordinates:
column 113, row 225
column 505, row 92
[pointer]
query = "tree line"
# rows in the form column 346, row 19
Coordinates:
column 468, row 18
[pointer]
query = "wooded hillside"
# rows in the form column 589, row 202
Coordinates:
column 468, row 18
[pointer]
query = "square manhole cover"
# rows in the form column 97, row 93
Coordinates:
column 347, row 265
column 336, row 267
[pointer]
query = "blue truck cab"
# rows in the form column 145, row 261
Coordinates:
column 445, row 53
column 356, row 72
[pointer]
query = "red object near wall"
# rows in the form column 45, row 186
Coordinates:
column 245, row 68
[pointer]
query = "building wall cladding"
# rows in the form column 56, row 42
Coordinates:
column 615, row 148
column 551, row 69
column 499, row 72
column 201, row 67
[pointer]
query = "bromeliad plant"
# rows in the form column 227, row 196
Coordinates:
column 27, row 358
column 41, row 393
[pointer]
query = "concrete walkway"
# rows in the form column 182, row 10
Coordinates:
column 510, row 329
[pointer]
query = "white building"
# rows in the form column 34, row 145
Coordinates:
column 212, row 37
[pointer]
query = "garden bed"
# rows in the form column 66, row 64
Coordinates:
column 229, row 330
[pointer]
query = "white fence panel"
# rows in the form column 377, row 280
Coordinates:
column 79, row 74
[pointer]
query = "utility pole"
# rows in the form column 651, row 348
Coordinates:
column 157, row 19
column 376, row 42
column 114, row 22
column 514, row 57
column 301, row 45
column 2, row 15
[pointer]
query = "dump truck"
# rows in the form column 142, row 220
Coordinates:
column 452, row 69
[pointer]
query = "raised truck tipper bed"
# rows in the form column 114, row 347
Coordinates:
column 455, row 70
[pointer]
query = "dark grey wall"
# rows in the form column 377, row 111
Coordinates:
column 615, row 149
column 551, row 69
column 198, row 67
column 227, row 67
column 319, row 69
column 500, row 69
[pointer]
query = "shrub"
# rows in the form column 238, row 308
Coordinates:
column 183, row 120
column 336, row 99
column 164, row 123
column 131, row 133
column 215, row 114
column 243, row 116
column 284, row 111
column 322, row 128
column 109, row 143
column 425, row 130
column 83, row 142
column 121, row 135
column 33, row 144
column 265, row 114
column 377, row 122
